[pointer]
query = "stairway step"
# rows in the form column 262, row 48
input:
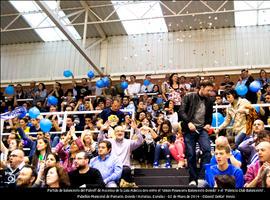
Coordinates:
column 165, row 186
column 160, row 172
column 162, row 180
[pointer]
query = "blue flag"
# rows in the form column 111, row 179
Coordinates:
column 15, row 113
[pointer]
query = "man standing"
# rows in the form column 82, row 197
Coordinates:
column 122, row 147
column 109, row 166
column 222, row 154
column 196, row 113
column 84, row 175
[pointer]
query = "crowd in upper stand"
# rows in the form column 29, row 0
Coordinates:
column 172, row 122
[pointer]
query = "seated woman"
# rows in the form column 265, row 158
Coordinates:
column 145, row 153
column 163, row 141
column 56, row 177
column 177, row 148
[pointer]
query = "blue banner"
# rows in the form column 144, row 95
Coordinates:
column 15, row 113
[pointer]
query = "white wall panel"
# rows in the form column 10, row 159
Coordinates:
column 44, row 61
column 198, row 50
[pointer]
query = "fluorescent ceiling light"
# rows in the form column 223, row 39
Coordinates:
column 149, row 9
column 41, row 20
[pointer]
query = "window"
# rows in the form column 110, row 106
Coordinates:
column 41, row 20
column 137, row 10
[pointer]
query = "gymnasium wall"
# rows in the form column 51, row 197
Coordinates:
column 204, row 52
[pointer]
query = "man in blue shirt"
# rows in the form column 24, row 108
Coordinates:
column 235, row 157
column 109, row 166
column 222, row 153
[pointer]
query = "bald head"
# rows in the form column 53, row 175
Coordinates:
column 16, row 158
column 263, row 149
column 221, row 141
column 258, row 126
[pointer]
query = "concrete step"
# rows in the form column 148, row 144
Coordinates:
column 160, row 172
column 162, row 180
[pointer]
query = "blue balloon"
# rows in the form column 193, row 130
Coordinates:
column 67, row 73
column 100, row 84
column 124, row 85
column 34, row 112
column 146, row 82
column 9, row 90
column 90, row 74
column 241, row 90
column 45, row 125
column 106, row 81
column 255, row 86
column 52, row 100
column 217, row 120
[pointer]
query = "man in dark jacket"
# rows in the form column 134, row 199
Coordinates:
column 84, row 176
column 196, row 114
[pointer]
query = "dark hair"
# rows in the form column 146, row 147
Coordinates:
column 231, row 92
column 37, row 152
column 170, row 79
column 71, row 117
column 133, row 76
column 43, row 86
column 60, row 85
column 262, row 136
column 165, row 122
column 34, row 172
column 206, row 83
column 56, row 157
column 25, row 120
column 225, row 181
column 123, row 76
column 108, row 144
column 62, row 174
column 86, row 155
column 157, row 87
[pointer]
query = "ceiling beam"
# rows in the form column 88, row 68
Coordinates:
column 97, row 26
column 66, row 32
column 179, row 14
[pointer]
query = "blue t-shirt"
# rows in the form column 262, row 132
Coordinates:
column 235, row 153
column 213, row 171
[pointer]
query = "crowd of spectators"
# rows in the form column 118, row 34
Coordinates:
column 145, row 122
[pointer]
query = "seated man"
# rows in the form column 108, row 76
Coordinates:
column 253, row 177
column 222, row 154
column 247, row 147
column 109, row 166
column 84, row 176
column 11, row 173
column 27, row 177
column 235, row 156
